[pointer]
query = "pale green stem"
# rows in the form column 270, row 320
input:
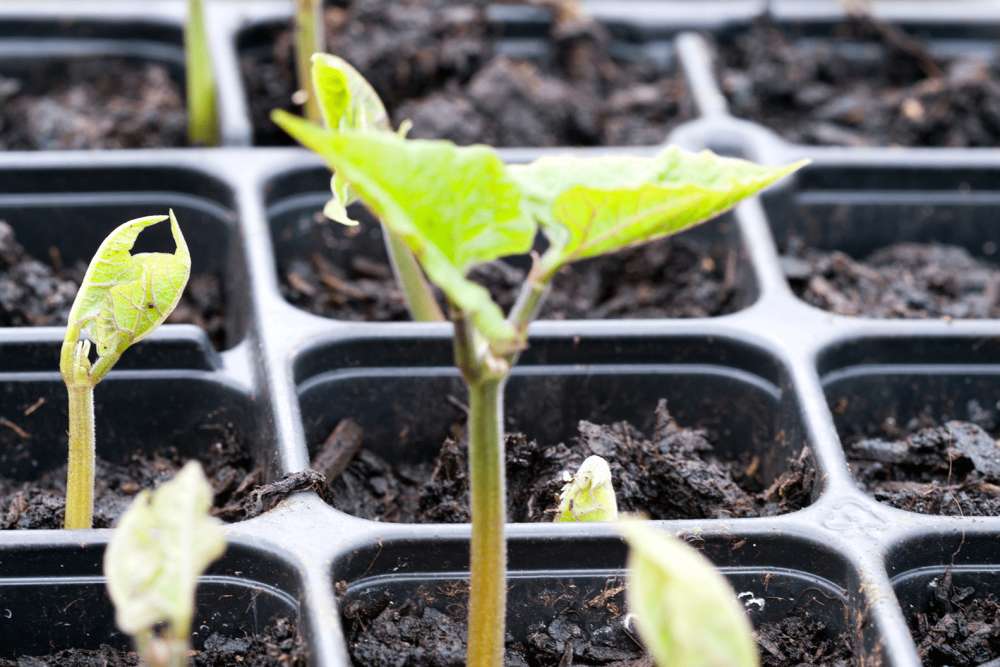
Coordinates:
column 417, row 291
column 488, row 559
column 202, row 108
column 308, row 40
column 80, row 471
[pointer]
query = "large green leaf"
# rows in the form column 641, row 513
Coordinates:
column 453, row 207
column 686, row 612
column 162, row 544
column 124, row 297
column 594, row 206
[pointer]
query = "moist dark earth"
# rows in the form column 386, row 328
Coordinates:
column 671, row 473
column 903, row 280
column 893, row 92
column 40, row 293
column 91, row 103
column 959, row 628
column 350, row 279
column 439, row 64
column 277, row 645
column 581, row 632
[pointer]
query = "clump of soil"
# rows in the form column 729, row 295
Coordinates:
column 949, row 469
column 958, row 628
column 673, row 474
column 439, row 64
column 669, row 278
column 277, row 644
column 579, row 630
column 240, row 489
column 40, row 293
column 903, row 280
column 92, row 103
column 894, row 92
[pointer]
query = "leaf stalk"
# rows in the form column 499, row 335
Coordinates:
column 308, row 40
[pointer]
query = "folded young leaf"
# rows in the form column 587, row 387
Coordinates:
column 453, row 207
column 589, row 495
column 124, row 297
column 162, row 544
column 686, row 612
column 594, row 206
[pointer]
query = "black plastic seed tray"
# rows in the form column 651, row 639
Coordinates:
column 773, row 375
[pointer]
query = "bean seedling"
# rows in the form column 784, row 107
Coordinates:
column 457, row 207
column 589, row 494
column 122, row 299
column 163, row 543
column 202, row 107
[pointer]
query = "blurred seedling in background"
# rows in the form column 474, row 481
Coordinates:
column 123, row 298
column 589, row 494
column 162, row 544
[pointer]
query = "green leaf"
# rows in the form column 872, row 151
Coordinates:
column 124, row 297
column 686, row 612
column 453, row 207
column 594, row 206
column 163, row 543
column 589, row 495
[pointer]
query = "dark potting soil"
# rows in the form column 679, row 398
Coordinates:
column 958, row 628
column 241, row 491
column 951, row 468
column 890, row 91
column 578, row 630
column 673, row 474
column 91, row 103
column 277, row 645
column 41, row 293
column 438, row 63
column 669, row 278
column 904, row 280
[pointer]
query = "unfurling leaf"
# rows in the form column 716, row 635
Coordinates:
column 453, row 207
column 686, row 612
column 124, row 297
column 162, row 544
column 594, row 206
column 589, row 495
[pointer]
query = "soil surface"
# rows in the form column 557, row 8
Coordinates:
column 438, row 63
column 240, row 488
column 669, row 278
column 903, row 280
column 575, row 631
column 93, row 103
column 891, row 92
column 278, row 645
column 673, row 474
column 957, row 629
column 952, row 468
column 40, row 293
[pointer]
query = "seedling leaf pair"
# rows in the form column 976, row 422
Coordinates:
column 686, row 611
column 163, row 543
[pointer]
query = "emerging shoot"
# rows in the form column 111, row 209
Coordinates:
column 458, row 207
column 686, row 612
column 348, row 102
column 309, row 39
column 589, row 494
column 202, row 107
column 163, row 543
column 122, row 299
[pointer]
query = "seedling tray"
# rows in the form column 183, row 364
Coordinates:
column 775, row 375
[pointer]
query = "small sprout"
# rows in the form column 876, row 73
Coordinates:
column 122, row 299
column 686, row 612
column 163, row 543
column 202, row 107
column 589, row 495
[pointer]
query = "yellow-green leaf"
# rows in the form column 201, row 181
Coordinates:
column 594, row 206
column 124, row 297
column 589, row 495
column 162, row 544
column 686, row 612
